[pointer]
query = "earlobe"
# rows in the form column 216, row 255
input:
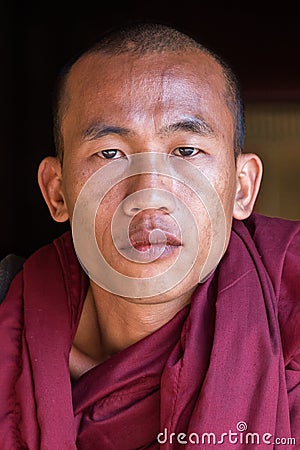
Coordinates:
column 249, row 174
column 50, row 183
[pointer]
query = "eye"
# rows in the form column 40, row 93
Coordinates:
column 185, row 152
column 110, row 154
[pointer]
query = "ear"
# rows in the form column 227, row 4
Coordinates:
column 50, row 182
column 249, row 170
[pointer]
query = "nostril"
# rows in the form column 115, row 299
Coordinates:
column 158, row 199
column 135, row 210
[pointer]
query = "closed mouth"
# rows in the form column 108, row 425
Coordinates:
column 144, row 240
column 151, row 245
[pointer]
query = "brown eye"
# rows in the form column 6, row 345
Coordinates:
column 185, row 151
column 110, row 154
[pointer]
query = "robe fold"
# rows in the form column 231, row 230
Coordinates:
column 223, row 373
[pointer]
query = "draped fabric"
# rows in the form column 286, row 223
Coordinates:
column 223, row 373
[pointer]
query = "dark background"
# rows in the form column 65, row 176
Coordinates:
column 260, row 42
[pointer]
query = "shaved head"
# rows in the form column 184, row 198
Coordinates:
column 142, row 39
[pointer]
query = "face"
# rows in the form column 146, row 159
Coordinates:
column 171, row 109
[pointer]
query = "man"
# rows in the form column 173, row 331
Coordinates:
column 169, row 315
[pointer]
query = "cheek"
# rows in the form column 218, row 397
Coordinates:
column 214, row 211
column 73, row 180
column 106, row 211
column 226, row 188
column 222, row 177
column 199, row 217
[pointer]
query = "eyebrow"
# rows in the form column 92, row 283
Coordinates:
column 191, row 124
column 99, row 130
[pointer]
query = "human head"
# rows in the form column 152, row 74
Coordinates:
column 152, row 91
column 145, row 38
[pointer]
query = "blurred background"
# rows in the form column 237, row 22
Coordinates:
column 260, row 42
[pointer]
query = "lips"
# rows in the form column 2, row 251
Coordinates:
column 151, row 235
column 145, row 239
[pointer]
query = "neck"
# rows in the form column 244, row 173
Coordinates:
column 109, row 324
column 122, row 322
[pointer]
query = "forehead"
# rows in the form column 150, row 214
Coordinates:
column 128, row 86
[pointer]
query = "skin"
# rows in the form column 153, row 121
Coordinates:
column 144, row 95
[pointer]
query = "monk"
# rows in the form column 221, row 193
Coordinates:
column 168, row 316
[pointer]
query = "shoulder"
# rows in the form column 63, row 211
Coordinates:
column 49, row 258
column 270, row 231
column 9, row 267
column 278, row 242
column 50, row 284
column 275, row 239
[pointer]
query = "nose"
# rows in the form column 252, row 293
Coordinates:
column 147, row 193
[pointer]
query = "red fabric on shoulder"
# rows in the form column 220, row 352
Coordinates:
column 289, row 320
column 38, row 319
column 217, row 362
column 279, row 248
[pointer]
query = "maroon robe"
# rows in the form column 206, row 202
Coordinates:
column 228, row 361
